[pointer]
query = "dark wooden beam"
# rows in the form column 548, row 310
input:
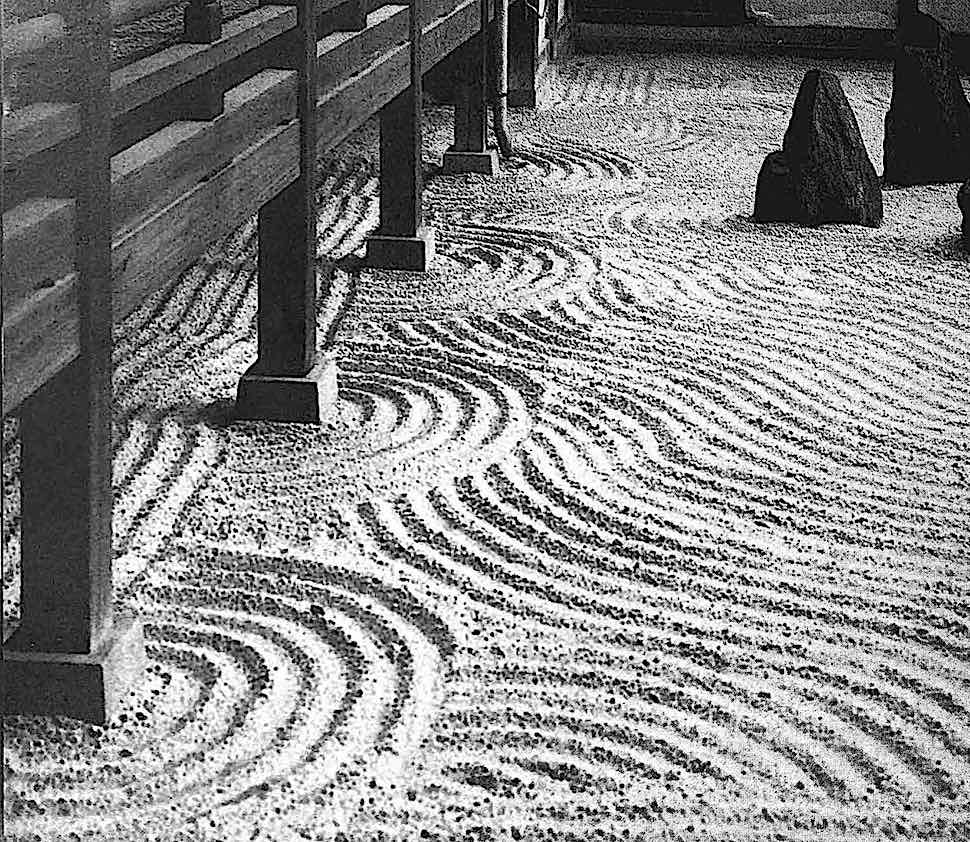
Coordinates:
column 70, row 654
column 470, row 152
column 202, row 24
column 287, row 383
column 402, row 241
column 523, row 56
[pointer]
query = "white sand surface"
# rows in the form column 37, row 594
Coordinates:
column 636, row 521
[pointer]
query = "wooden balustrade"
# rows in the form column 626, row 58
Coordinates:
column 70, row 654
column 114, row 186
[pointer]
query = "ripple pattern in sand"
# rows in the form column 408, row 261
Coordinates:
column 630, row 525
column 291, row 682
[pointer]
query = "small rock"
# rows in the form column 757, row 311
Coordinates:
column 963, row 200
column 928, row 124
column 823, row 173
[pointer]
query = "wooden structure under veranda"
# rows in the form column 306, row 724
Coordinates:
column 114, row 182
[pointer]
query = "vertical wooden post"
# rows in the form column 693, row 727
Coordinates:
column 287, row 381
column 70, row 655
column 523, row 56
column 202, row 24
column 470, row 152
column 906, row 10
column 346, row 17
column 402, row 241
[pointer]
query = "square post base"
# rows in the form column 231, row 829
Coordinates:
column 299, row 400
column 454, row 162
column 407, row 254
column 89, row 687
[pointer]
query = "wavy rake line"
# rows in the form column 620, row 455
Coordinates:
column 426, row 526
column 513, row 527
column 269, row 676
column 575, row 161
column 480, row 268
column 579, row 84
column 572, row 447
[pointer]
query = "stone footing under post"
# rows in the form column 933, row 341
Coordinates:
column 301, row 400
column 454, row 162
column 89, row 687
column 407, row 254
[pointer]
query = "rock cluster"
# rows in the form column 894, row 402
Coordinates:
column 963, row 200
column 928, row 124
column 823, row 172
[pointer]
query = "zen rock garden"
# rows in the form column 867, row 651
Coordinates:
column 823, row 173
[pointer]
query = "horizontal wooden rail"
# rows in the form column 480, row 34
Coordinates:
column 172, row 195
column 341, row 110
column 343, row 54
column 156, row 171
column 127, row 11
column 38, row 127
column 168, row 242
column 34, row 34
column 40, row 337
column 162, row 72
column 38, row 248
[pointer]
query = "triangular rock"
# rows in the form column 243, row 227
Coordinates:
column 928, row 124
column 823, row 173
column 963, row 200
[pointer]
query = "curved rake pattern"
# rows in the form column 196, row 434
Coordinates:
column 633, row 521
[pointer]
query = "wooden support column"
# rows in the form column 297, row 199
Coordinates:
column 523, row 56
column 470, row 152
column 202, row 24
column 349, row 16
column 288, row 382
column 70, row 655
column 402, row 241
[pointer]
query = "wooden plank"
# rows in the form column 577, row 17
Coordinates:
column 348, row 106
column 448, row 31
column 166, row 243
column 401, row 182
column 155, row 172
column 157, row 74
column 286, row 322
column 38, row 127
column 344, row 109
column 126, row 11
column 342, row 54
column 40, row 337
column 38, row 248
column 471, row 114
column 32, row 35
column 66, row 482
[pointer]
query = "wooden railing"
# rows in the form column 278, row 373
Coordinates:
column 116, row 181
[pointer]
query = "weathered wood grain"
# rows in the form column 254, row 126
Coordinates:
column 38, row 248
column 343, row 54
column 40, row 337
column 38, row 127
column 126, row 11
column 164, row 244
column 151, row 174
column 32, row 35
column 158, row 74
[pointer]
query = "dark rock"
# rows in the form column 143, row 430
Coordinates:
column 823, row 173
column 775, row 199
column 928, row 123
column 963, row 200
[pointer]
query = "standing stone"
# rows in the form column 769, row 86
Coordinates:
column 928, row 123
column 963, row 200
column 823, row 173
